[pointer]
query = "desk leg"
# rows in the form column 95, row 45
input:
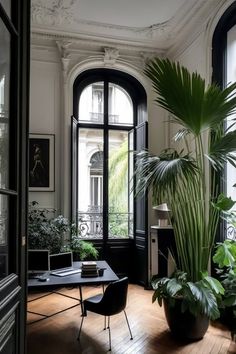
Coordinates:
column 81, row 300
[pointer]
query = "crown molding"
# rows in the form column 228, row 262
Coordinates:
column 59, row 16
column 57, row 19
column 196, row 27
column 87, row 43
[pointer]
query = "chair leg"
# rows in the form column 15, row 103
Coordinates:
column 131, row 337
column 81, row 324
column 105, row 323
column 109, row 329
column 108, row 322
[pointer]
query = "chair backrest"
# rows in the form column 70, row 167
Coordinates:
column 115, row 296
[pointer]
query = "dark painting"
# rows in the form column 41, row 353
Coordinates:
column 39, row 163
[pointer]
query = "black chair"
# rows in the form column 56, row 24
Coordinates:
column 112, row 302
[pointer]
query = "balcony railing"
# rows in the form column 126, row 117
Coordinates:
column 91, row 224
column 98, row 117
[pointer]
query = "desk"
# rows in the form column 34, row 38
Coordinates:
column 74, row 280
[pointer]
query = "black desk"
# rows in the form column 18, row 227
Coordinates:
column 74, row 280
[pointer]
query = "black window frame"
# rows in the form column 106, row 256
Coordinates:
column 138, row 96
column 219, row 67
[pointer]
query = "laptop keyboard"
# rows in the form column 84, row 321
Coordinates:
column 66, row 272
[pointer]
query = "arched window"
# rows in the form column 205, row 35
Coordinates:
column 224, row 72
column 108, row 104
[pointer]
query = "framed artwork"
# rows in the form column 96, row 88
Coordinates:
column 41, row 162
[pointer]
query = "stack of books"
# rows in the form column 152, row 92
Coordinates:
column 89, row 269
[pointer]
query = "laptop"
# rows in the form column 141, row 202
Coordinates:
column 38, row 262
column 61, row 264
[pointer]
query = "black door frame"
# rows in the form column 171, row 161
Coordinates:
column 13, row 285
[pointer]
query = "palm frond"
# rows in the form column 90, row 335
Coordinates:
column 206, row 299
column 221, row 150
column 181, row 133
column 185, row 96
column 163, row 172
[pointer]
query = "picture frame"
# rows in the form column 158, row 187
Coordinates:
column 41, row 162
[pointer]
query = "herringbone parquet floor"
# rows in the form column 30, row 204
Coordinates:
column 57, row 335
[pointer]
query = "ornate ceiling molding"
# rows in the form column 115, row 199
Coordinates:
column 56, row 12
column 85, row 43
column 59, row 17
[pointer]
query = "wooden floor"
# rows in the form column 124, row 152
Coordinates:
column 57, row 335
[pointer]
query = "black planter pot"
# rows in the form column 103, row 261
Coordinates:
column 185, row 325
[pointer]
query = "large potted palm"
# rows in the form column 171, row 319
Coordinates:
column 184, row 180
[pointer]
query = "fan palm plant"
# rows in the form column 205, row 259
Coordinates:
column 181, row 178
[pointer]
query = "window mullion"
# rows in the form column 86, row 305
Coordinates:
column 105, row 167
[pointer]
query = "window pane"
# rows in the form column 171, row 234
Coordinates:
column 118, row 185
column 4, row 105
column 6, row 4
column 90, row 183
column 91, row 103
column 4, row 220
column 120, row 106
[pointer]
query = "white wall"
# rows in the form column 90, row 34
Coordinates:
column 45, row 113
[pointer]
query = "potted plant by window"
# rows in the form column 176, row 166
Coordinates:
column 49, row 232
column 183, row 180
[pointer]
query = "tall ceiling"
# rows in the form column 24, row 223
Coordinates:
column 150, row 23
column 129, row 13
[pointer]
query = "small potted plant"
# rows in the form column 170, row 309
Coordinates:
column 82, row 250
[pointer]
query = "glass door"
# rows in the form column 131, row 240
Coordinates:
column 14, row 30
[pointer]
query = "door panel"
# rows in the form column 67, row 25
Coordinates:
column 141, row 221
column 9, row 300
column 14, row 90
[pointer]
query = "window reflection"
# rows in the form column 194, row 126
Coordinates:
column 120, row 106
column 91, row 103
column 4, row 219
column 4, row 104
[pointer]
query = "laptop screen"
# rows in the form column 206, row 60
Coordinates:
column 61, row 260
column 38, row 261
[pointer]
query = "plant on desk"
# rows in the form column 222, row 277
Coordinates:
column 47, row 232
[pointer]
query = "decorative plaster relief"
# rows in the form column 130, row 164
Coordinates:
column 63, row 47
column 146, row 57
column 52, row 12
column 110, row 55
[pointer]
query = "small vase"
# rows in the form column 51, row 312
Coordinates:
column 184, row 325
